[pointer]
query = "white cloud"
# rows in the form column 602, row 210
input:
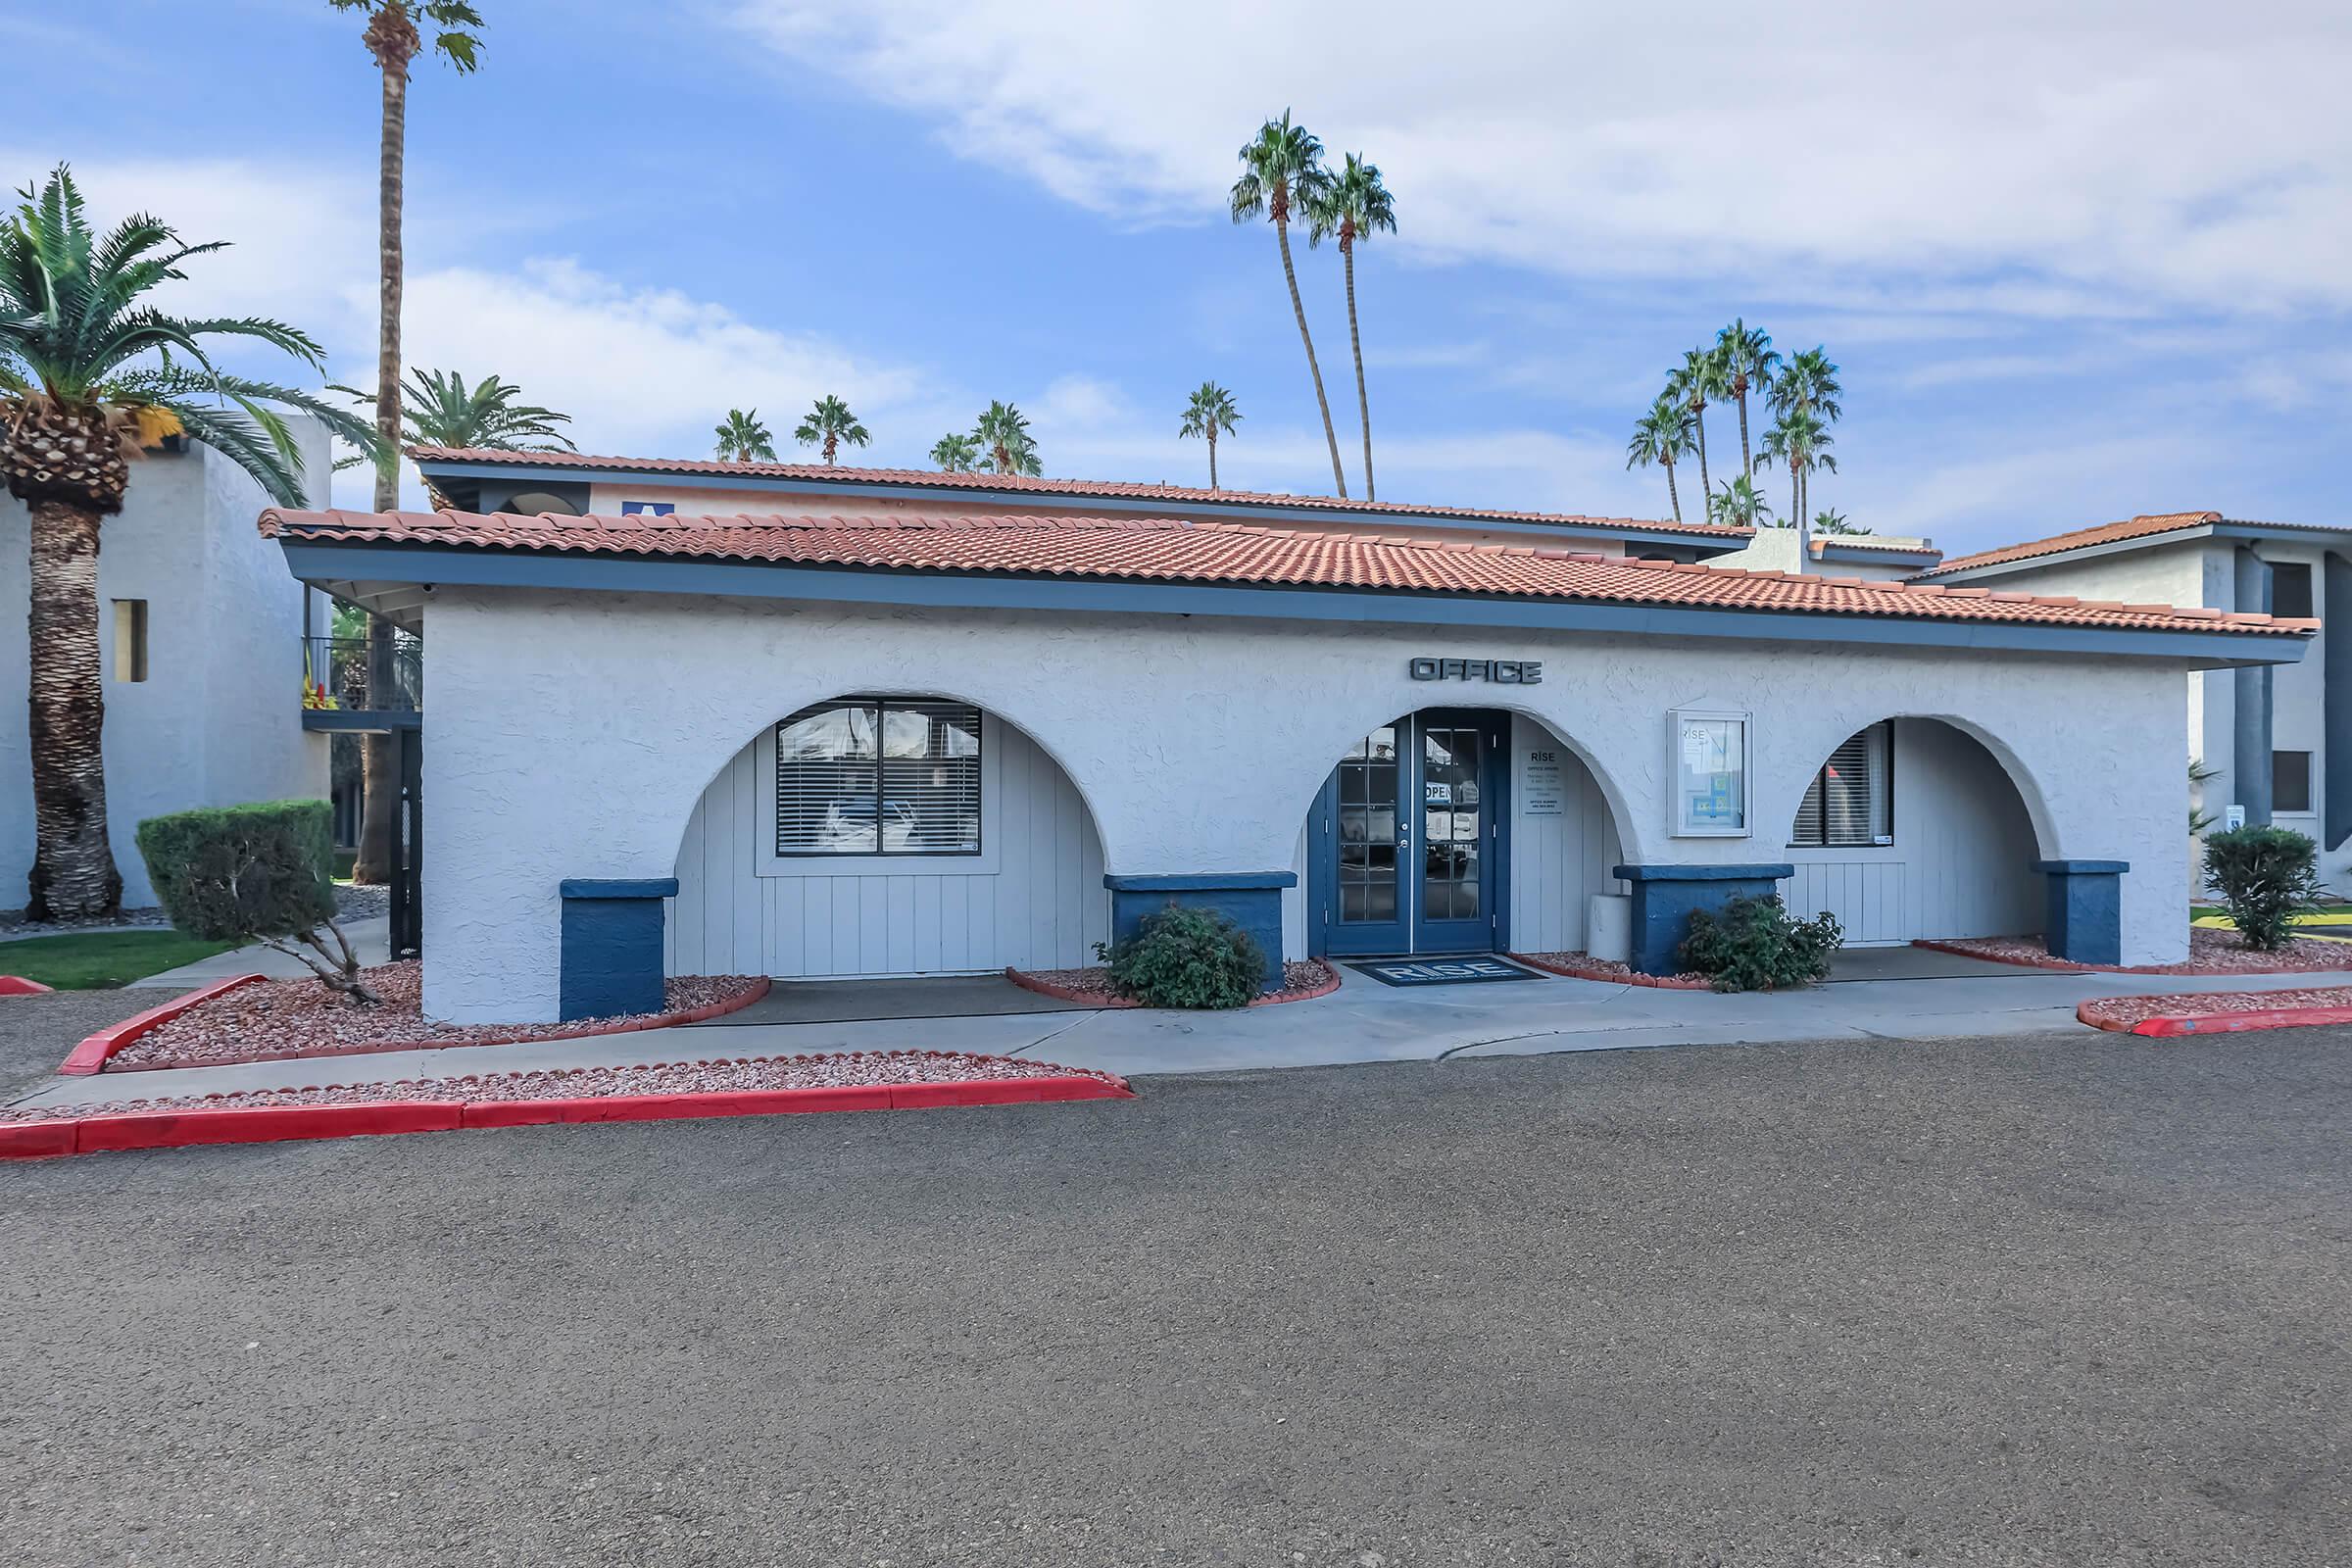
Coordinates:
column 2114, row 155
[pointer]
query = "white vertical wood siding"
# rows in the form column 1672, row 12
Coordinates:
column 1558, row 862
column 1042, row 907
column 1960, row 863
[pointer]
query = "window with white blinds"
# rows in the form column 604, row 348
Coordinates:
column 879, row 776
column 1851, row 801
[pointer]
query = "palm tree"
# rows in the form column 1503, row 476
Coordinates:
column 956, row 454
column 1662, row 436
column 1209, row 412
column 1283, row 165
column 1748, row 361
column 743, row 438
column 1699, row 377
column 831, row 422
column 91, row 375
column 392, row 39
column 1808, row 383
column 1352, row 206
column 1832, row 520
column 1796, row 441
column 1004, row 435
column 1739, row 504
column 438, row 409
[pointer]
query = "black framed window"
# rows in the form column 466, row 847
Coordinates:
column 2290, row 781
column 1850, row 802
column 879, row 776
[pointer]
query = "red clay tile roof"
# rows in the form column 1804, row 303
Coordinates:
column 1018, row 484
column 2140, row 527
column 1170, row 549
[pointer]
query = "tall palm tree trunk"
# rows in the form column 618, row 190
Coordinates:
column 832, row 445
column 1706, row 485
column 1363, row 404
column 1804, row 527
column 1747, row 463
column 74, row 863
column 1212, row 457
column 1331, row 436
column 1672, row 494
column 392, row 39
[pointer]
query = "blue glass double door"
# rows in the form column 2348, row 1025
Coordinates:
column 1408, row 839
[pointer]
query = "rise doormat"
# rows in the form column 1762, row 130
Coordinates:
column 1439, row 971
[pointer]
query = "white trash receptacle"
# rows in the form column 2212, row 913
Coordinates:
column 1609, row 927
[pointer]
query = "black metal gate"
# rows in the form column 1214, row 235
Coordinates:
column 408, row 843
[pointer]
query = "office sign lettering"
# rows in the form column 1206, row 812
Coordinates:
column 1496, row 671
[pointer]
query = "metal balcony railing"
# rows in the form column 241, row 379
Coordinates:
column 337, row 677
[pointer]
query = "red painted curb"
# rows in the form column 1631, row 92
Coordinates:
column 1611, row 977
column 266, row 1124
column 1275, row 998
column 667, row 1020
column 2174, row 1024
column 90, row 1055
column 16, row 985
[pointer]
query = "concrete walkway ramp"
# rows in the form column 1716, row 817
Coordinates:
column 1917, row 963
column 976, row 996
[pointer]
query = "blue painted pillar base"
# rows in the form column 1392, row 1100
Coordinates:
column 612, row 961
column 1665, row 895
column 1251, row 899
column 2082, row 913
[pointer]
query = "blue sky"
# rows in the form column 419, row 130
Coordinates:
column 2074, row 270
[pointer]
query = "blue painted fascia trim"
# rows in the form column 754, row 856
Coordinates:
column 588, row 887
column 1029, row 501
column 1879, row 558
column 1200, row 881
column 1770, row 872
column 318, row 561
column 360, row 721
column 2084, row 867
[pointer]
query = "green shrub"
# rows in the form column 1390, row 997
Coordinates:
column 260, row 872
column 1753, row 944
column 2265, row 877
column 1188, row 957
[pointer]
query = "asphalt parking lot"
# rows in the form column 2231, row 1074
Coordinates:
column 2065, row 1301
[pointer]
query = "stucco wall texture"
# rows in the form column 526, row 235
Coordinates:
column 572, row 736
column 219, row 719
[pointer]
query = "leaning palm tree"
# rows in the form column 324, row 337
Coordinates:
column 1283, row 165
column 393, row 39
column 1003, row 433
column 743, row 438
column 1662, row 436
column 1748, row 362
column 1209, row 412
column 956, row 454
column 1698, row 379
column 92, row 372
column 1739, row 504
column 831, row 422
column 439, row 409
column 1796, row 441
column 1351, row 207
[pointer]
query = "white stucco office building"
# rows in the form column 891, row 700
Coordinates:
column 200, row 639
column 2276, row 740
column 825, row 722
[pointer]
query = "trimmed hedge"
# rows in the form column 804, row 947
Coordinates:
column 230, row 874
column 1186, row 957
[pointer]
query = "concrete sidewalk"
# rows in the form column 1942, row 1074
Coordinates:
column 1363, row 1021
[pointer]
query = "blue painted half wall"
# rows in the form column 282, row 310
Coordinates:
column 2082, row 919
column 1664, row 897
column 1251, row 899
column 612, row 956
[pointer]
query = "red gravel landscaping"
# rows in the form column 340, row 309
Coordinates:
column 1303, row 979
column 272, row 1019
column 837, row 1071
column 1584, row 966
column 2210, row 951
column 2122, row 1012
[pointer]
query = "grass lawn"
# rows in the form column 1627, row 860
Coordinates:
column 100, row 961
